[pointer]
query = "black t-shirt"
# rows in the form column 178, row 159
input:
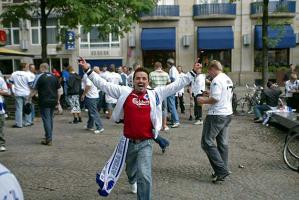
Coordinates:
column 271, row 96
column 47, row 85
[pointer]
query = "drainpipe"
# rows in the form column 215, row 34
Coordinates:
column 241, row 49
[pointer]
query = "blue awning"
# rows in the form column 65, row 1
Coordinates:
column 215, row 37
column 158, row 39
column 284, row 34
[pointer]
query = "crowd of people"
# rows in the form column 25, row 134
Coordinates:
column 146, row 103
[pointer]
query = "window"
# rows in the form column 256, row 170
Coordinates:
column 224, row 56
column 95, row 40
column 166, row 2
column 8, row 66
column 13, row 34
column 54, row 63
column 211, row 1
column 150, row 57
column 52, row 31
column 277, row 58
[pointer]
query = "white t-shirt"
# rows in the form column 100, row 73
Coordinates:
column 21, row 81
column 115, row 78
column 173, row 73
column 221, row 90
column 291, row 86
column 93, row 91
column 104, row 75
column 199, row 84
column 9, row 185
column 4, row 88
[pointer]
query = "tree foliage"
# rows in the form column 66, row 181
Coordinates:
column 111, row 15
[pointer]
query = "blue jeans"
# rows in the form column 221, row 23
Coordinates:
column 139, row 167
column 47, row 117
column 260, row 109
column 216, row 128
column 93, row 115
column 19, row 103
column 172, row 109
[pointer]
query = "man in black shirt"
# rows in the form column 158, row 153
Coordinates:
column 47, row 86
column 269, row 100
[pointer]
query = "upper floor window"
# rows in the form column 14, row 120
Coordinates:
column 94, row 39
column 211, row 1
column 13, row 34
column 52, row 31
column 166, row 2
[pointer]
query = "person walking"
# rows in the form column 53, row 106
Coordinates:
column 173, row 75
column 47, row 86
column 3, row 92
column 197, row 88
column 74, row 86
column 217, row 121
column 91, row 97
column 21, row 81
column 141, row 110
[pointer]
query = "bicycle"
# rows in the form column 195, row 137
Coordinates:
column 291, row 149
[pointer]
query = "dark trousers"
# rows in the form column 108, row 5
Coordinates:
column 180, row 100
column 197, row 108
column 47, row 115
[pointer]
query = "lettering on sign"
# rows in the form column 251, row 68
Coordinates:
column 99, row 53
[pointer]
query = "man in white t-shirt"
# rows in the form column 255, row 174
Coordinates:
column 217, row 121
column 21, row 81
column 91, row 97
column 196, row 89
column 9, row 185
column 112, row 77
column 173, row 75
column 3, row 92
column 291, row 87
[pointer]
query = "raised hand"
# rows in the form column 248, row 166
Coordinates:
column 84, row 65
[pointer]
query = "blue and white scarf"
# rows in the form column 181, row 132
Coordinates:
column 108, row 176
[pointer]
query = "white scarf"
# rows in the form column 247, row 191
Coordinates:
column 108, row 176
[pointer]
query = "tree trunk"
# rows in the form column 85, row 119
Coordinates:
column 265, row 42
column 44, row 30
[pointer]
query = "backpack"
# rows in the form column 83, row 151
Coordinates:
column 73, row 84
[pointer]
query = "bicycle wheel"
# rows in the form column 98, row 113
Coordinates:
column 291, row 152
column 288, row 136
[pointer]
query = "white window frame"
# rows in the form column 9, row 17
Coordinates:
column 38, row 28
column 11, row 35
column 211, row 1
column 166, row 2
column 109, row 44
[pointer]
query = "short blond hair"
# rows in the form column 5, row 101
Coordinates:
column 216, row 64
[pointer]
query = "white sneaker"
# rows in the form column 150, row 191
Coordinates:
column 2, row 148
column 98, row 131
column 166, row 128
column 175, row 125
column 198, row 122
column 134, row 188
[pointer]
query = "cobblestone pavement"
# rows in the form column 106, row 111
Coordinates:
column 67, row 169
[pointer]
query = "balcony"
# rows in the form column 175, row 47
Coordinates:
column 276, row 9
column 162, row 13
column 214, row 11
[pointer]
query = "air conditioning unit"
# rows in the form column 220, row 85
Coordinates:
column 186, row 40
column 246, row 40
column 132, row 42
column 297, row 38
column 24, row 44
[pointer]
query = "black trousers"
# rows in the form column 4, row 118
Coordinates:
column 180, row 100
column 197, row 108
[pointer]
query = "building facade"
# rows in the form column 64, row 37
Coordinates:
column 181, row 29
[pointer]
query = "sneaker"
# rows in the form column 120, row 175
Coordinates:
column 166, row 128
column 259, row 120
column 98, row 131
column 46, row 142
column 16, row 126
column 134, row 188
column 88, row 129
column 175, row 125
column 219, row 179
column 2, row 148
column 198, row 122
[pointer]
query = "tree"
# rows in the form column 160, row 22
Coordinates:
column 111, row 15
